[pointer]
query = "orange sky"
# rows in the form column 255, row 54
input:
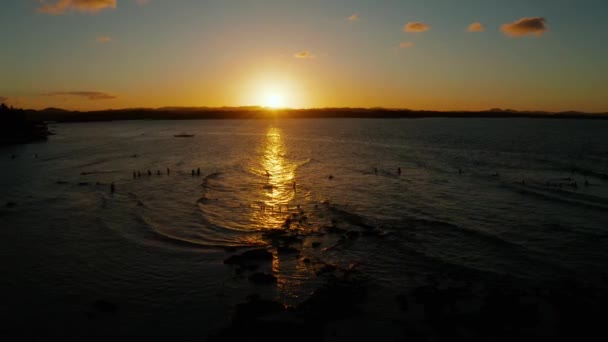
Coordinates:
column 100, row 54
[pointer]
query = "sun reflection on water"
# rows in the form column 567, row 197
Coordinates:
column 277, row 186
column 276, row 202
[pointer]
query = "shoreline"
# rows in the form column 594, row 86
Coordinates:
column 59, row 115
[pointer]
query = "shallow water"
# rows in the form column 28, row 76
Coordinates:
column 480, row 198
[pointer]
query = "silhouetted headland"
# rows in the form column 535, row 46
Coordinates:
column 18, row 126
column 192, row 113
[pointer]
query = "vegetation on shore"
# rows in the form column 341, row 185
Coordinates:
column 192, row 113
column 18, row 127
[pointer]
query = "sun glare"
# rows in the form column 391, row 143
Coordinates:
column 274, row 100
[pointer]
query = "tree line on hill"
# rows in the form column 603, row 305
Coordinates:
column 18, row 127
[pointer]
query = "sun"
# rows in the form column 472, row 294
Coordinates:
column 274, row 100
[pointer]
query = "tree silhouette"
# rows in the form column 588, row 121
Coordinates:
column 16, row 128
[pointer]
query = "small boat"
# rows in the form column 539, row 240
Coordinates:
column 183, row 135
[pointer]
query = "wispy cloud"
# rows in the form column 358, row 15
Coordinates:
column 3, row 99
column 304, row 55
column 103, row 39
column 536, row 26
column 416, row 27
column 406, row 45
column 477, row 27
column 56, row 7
column 90, row 95
column 354, row 17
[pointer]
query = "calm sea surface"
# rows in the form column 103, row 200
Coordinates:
column 525, row 199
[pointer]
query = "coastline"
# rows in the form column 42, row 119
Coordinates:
column 236, row 113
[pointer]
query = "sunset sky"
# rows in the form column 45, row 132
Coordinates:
column 431, row 54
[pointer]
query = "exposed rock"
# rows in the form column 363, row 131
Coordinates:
column 327, row 268
column 287, row 250
column 255, row 255
column 263, row 278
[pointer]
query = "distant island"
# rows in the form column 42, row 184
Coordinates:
column 192, row 113
column 20, row 126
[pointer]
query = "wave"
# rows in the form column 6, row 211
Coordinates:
column 562, row 196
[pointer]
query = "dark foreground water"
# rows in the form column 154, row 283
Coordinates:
column 500, row 200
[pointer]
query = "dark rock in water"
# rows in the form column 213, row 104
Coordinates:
column 105, row 306
column 247, row 267
column 263, row 320
column 327, row 268
column 316, row 244
column 306, row 260
column 334, row 301
column 61, row 182
column 256, row 255
column 287, row 250
column 230, row 249
column 274, row 233
column 353, row 234
column 269, row 321
column 263, row 278
column 282, row 237
column 233, row 260
column 256, row 308
column 335, row 230
column 10, row 204
column 83, row 183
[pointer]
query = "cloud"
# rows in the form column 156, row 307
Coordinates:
column 103, row 39
column 406, row 45
column 90, row 95
column 3, row 99
column 56, row 7
column 477, row 27
column 416, row 27
column 142, row 2
column 526, row 26
column 304, row 55
column 354, row 17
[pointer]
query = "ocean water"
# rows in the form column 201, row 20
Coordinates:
column 516, row 199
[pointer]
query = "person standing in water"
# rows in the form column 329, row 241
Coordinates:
column 198, row 171
column 112, row 188
column 399, row 171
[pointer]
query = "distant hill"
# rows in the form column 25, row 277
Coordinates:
column 199, row 113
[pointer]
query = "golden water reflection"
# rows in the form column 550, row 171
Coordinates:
column 278, row 176
column 277, row 200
